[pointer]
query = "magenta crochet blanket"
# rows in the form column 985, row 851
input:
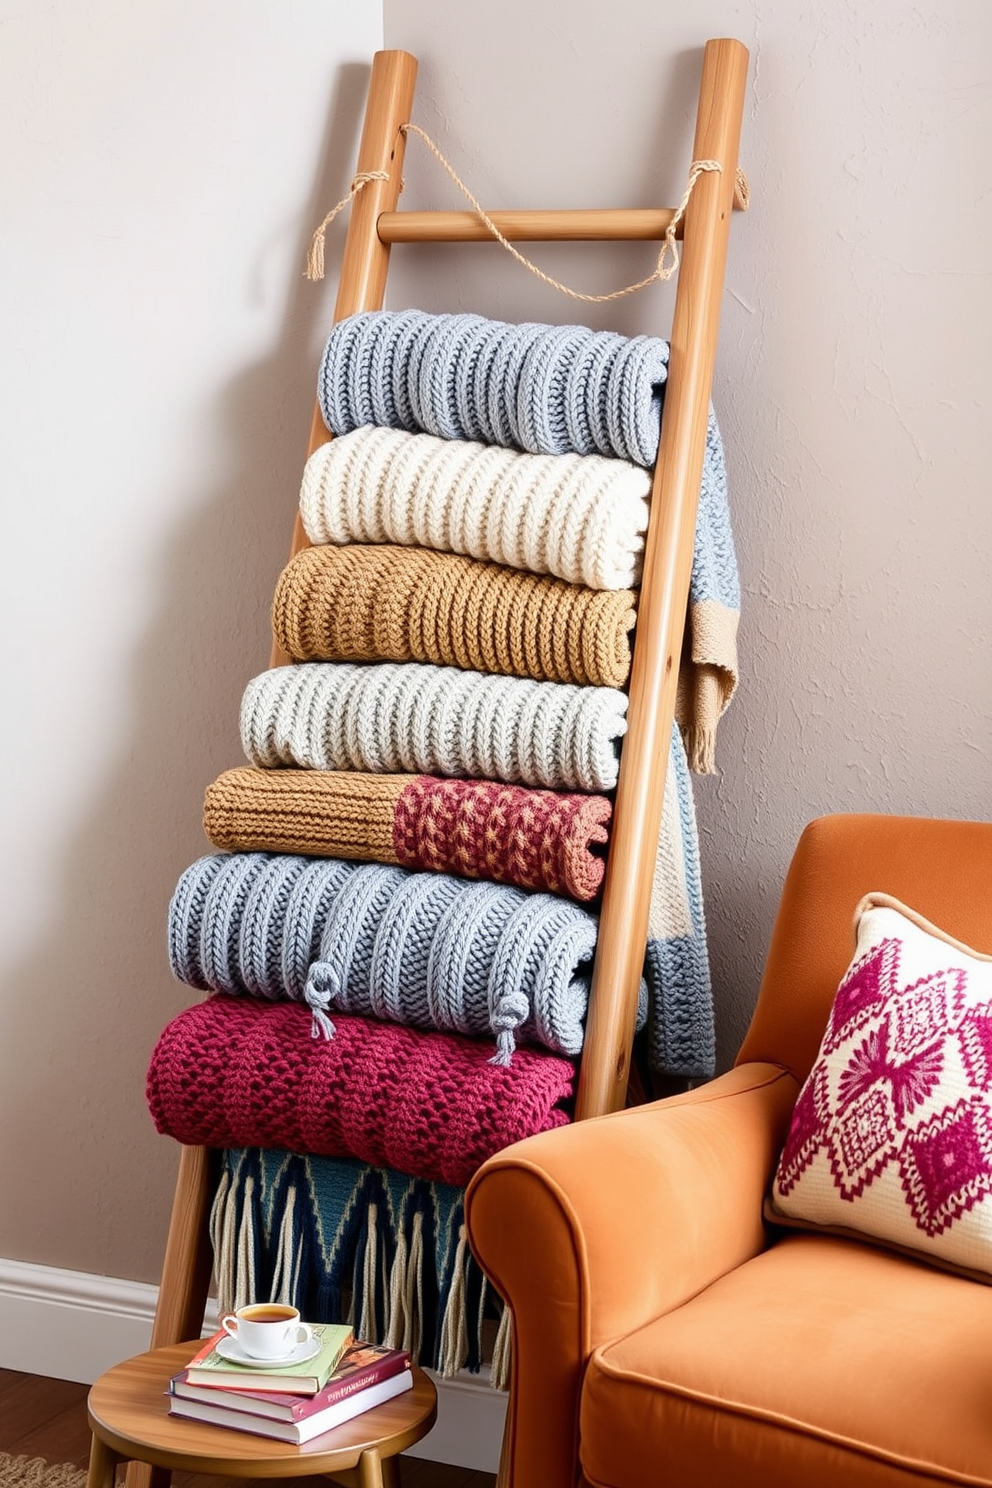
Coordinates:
column 232, row 1072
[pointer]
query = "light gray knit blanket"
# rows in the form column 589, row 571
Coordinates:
column 545, row 389
column 548, row 390
column 434, row 720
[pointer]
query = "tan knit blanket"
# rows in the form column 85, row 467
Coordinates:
column 536, row 839
column 385, row 603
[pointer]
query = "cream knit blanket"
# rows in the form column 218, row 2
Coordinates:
column 579, row 517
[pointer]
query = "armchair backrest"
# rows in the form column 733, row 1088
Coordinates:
column 942, row 869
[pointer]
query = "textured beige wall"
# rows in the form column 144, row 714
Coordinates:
column 161, row 167
column 854, row 376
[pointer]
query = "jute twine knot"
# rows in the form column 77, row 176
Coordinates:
column 668, row 256
column 315, row 255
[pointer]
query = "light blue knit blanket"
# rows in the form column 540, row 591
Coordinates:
column 548, row 390
column 425, row 949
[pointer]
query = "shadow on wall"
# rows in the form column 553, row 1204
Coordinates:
column 86, row 1006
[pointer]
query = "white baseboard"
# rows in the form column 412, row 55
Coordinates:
column 73, row 1325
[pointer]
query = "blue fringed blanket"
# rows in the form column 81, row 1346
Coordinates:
column 345, row 1242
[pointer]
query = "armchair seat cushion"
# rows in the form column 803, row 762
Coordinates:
column 820, row 1362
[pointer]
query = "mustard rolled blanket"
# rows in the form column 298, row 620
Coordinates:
column 581, row 518
column 387, row 603
column 536, row 839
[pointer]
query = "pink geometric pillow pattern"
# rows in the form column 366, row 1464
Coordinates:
column 891, row 1137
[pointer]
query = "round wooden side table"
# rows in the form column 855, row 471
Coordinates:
column 128, row 1410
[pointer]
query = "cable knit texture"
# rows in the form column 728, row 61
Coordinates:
column 434, row 720
column 549, row 390
column 386, row 603
column 233, row 1073
column 473, row 828
column 579, row 517
column 424, row 949
column 258, row 924
column 545, row 389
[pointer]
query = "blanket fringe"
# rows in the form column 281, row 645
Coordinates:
column 348, row 1243
column 287, row 1257
column 499, row 1375
column 454, row 1346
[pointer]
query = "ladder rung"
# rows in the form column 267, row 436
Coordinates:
column 636, row 224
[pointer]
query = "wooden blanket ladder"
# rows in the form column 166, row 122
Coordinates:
column 375, row 225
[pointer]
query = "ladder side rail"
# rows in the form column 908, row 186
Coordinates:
column 664, row 590
column 365, row 261
column 186, row 1268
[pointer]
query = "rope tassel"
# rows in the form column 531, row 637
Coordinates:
column 315, row 255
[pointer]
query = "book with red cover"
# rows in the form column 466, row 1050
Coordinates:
column 297, row 1432
column 362, row 1365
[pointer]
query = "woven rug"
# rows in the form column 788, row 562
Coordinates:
column 347, row 1242
column 35, row 1472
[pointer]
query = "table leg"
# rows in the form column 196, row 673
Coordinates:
column 373, row 1472
column 143, row 1475
column 103, row 1465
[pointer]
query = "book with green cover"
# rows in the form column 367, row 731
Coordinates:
column 210, row 1367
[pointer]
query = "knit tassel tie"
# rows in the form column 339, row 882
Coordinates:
column 319, row 999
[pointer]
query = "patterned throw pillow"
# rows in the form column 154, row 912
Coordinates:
column 891, row 1137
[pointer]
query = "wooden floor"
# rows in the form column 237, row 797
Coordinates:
column 42, row 1417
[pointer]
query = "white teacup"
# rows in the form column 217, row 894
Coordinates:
column 267, row 1330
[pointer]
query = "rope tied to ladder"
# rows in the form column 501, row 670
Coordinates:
column 315, row 255
column 668, row 256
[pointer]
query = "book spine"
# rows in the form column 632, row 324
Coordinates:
column 362, row 1379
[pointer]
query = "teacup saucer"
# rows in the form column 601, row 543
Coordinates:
column 230, row 1349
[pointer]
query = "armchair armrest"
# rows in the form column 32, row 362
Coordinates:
column 594, row 1229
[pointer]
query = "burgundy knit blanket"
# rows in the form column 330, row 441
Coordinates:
column 536, row 839
column 232, row 1072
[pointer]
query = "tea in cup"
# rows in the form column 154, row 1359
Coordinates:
column 267, row 1330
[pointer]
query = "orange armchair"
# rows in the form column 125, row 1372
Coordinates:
column 659, row 1336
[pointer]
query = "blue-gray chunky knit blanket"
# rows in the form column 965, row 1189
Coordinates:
column 424, row 949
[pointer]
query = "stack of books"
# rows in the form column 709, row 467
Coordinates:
column 294, row 1402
